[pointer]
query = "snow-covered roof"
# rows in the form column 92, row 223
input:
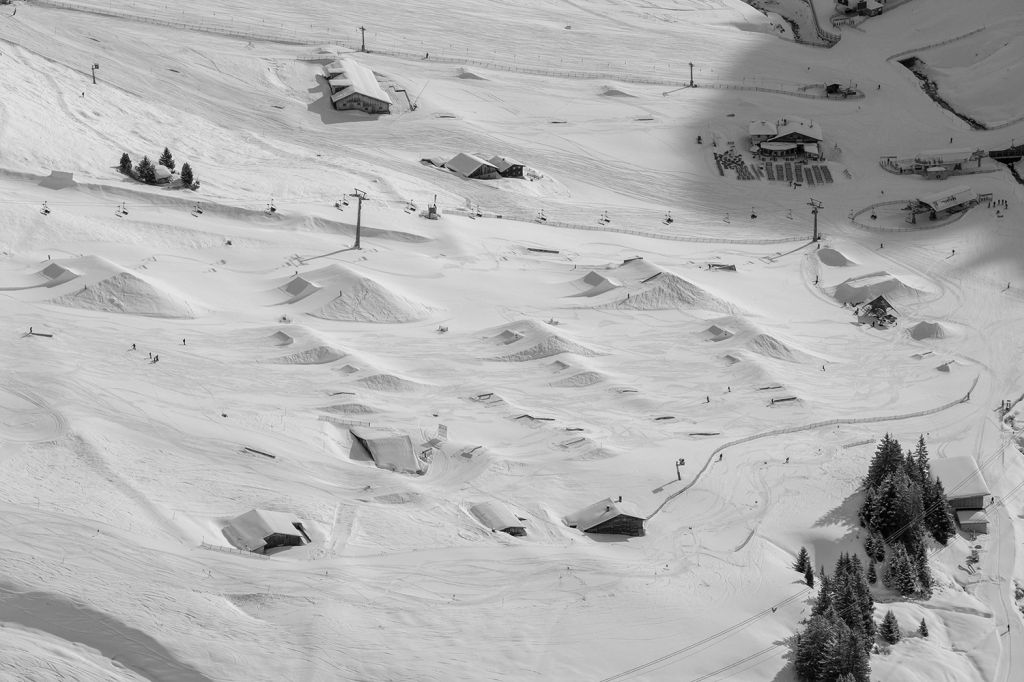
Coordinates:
column 334, row 68
column 251, row 529
column 496, row 515
column 934, row 155
column 389, row 449
column 503, row 164
column 804, row 126
column 965, row 516
column 762, row 128
column 360, row 80
column 960, row 477
column 955, row 196
column 467, row 164
column 599, row 512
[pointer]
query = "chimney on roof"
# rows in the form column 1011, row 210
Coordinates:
column 607, row 507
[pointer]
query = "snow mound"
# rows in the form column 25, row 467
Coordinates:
column 833, row 258
column 613, row 91
column 594, row 284
column 365, row 300
column 389, row 383
column 466, row 74
column 580, row 380
column 507, row 337
column 558, row 366
column 730, row 359
column 553, row 344
column 319, row 355
column 348, row 369
column 927, row 330
column 944, row 367
column 130, row 294
column 860, row 289
column 55, row 274
column 667, row 291
column 349, row 408
column 769, row 346
column 281, row 339
column 298, row 288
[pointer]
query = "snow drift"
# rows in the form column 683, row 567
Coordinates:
column 128, row 293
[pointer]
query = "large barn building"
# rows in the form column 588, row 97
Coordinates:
column 353, row 86
column 260, row 530
column 471, row 166
column 966, row 490
column 608, row 516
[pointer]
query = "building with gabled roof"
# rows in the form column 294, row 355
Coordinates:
column 354, row 86
column 508, row 168
column 962, row 480
column 470, row 166
column 498, row 517
column 789, row 136
column 389, row 449
column 608, row 516
column 260, row 530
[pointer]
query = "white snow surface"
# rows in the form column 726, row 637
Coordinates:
column 564, row 367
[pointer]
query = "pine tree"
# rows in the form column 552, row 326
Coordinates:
column 938, row 518
column 872, row 574
column 899, row 573
column 186, row 174
column 812, row 645
column 126, row 164
column 890, row 629
column 922, row 629
column 848, row 657
column 879, row 554
column 887, row 459
column 809, row 575
column 802, row 560
column 166, row 160
column 921, row 459
column 145, row 170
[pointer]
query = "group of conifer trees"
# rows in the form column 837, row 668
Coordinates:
column 902, row 506
column 841, row 630
column 145, row 171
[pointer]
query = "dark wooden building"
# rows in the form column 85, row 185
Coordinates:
column 608, row 516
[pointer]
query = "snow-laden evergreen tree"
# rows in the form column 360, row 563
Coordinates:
column 938, row 518
column 145, row 170
column 812, row 646
column 809, row 575
column 921, row 459
column 186, row 174
column 888, row 458
column 126, row 164
column 803, row 559
column 890, row 628
column 872, row 573
column 848, row 656
column 922, row 629
column 166, row 160
column 899, row 573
